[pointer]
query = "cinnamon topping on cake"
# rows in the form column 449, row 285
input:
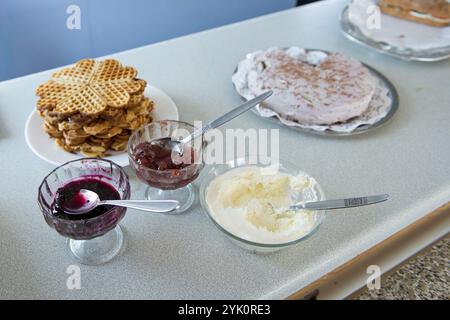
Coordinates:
column 311, row 88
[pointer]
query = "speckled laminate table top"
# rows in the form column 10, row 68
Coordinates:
column 185, row 256
column 425, row 277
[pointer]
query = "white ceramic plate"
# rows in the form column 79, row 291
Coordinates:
column 45, row 147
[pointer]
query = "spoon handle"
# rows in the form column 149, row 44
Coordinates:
column 228, row 116
column 341, row 203
column 159, row 206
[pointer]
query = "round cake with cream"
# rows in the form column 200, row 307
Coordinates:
column 310, row 87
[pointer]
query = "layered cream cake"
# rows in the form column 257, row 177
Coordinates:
column 435, row 13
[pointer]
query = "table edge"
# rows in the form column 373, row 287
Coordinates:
column 427, row 219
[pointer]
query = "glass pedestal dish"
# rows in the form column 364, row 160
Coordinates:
column 155, row 168
column 93, row 238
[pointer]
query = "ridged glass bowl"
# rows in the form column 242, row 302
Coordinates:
column 169, row 184
column 93, row 240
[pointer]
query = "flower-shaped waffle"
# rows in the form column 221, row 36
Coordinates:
column 89, row 88
column 93, row 106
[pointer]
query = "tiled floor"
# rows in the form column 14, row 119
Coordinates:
column 426, row 276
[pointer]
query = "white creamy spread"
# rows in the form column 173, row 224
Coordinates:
column 244, row 201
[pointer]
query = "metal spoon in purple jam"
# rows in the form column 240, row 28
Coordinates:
column 87, row 200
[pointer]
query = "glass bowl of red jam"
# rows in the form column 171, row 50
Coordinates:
column 95, row 237
column 167, row 175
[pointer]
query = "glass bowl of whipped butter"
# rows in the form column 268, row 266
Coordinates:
column 249, row 202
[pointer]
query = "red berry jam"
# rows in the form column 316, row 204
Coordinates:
column 155, row 157
column 68, row 197
column 168, row 170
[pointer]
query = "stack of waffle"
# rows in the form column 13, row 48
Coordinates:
column 93, row 107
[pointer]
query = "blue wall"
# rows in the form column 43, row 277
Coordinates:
column 34, row 35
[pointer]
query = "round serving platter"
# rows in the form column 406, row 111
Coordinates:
column 353, row 33
column 392, row 92
column 45, row 147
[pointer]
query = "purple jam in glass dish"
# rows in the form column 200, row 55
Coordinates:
column 95, row 237
column 93, row 223
column 68, row 197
